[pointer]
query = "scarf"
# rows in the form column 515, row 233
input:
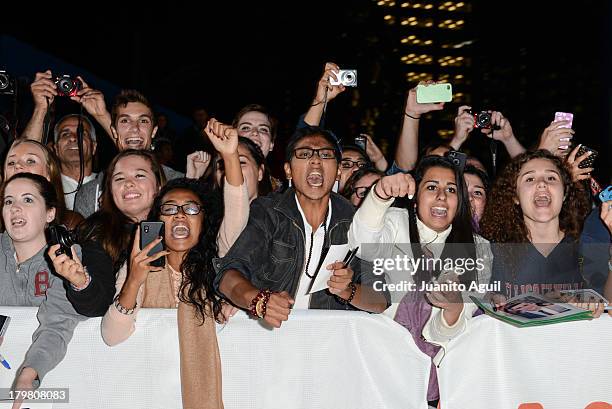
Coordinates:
column 199, row 351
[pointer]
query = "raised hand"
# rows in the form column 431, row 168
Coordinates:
column 333, row 91
column 139, row 260
column 464, row 124
column 414, row 109
column 223, row 137
column 398, row 185
column 43, row 89
column 503, row 130
column 91, row 99
column 556, row 138
column 574, row 162
column 197, row 163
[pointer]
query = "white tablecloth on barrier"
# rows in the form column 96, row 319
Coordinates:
column 317, row 359
column 496, row 365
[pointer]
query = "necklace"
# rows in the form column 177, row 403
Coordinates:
column 312, row 242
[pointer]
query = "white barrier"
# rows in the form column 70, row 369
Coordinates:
column 318, row 359
column 496, row 365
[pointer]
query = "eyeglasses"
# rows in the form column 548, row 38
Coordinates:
column 306, row 153
column 349, row 164
column 190, row 209
column 362, row 191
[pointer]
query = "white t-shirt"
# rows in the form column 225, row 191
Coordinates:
column 302, row 298
column 69, row 185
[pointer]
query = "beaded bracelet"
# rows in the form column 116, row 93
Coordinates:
column 121, row 308
column 259, row 304
column 348, row 300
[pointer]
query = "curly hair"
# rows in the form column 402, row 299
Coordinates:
column 197, row 268
column 503, row 220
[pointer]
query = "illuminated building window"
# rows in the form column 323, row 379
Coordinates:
column 422, row 59
column 414, row 40
column 386, row 3
column 451, row 25
column 418, row 76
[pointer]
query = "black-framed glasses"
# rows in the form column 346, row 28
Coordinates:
column 306, row 153
column 349, row 164
column 362, row 191
column 190, row 209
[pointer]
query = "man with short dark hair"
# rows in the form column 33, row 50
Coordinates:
column 273, row 263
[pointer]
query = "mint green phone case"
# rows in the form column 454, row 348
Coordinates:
column 434, row 93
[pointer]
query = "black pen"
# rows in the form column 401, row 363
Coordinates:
column 350, row 256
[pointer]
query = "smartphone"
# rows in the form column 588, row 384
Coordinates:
column 361, row 141
column 606, row 194
column 4, row 323
column 426, row 94
column 564, row 116
column 149, row 231
column 588, row 162
column 457, row 158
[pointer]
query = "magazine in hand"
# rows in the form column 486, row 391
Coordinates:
column 530, row 309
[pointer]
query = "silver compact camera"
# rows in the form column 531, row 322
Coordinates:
column 348, row 78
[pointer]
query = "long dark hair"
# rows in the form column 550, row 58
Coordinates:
column 461, row 233
column 197, row 267
column 109, row 226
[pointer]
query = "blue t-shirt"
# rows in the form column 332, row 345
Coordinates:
column 521, row 268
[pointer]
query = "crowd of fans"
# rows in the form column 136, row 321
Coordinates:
column 236, row 237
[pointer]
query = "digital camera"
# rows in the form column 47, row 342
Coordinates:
column 68, row 86
column 59, row 234
column 7, row 83
column 482, row 119
column 348, row 78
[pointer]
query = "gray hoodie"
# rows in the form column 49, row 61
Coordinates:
column 33, row 284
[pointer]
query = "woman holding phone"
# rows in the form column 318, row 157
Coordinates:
column 191, row 217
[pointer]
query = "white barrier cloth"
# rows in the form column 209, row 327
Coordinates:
column 496, row 365
column 317, row 359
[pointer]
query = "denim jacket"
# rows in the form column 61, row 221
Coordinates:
column 270, row 250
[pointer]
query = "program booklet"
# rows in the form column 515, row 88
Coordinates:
column 530, row 309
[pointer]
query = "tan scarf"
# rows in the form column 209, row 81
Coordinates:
column 200, row 359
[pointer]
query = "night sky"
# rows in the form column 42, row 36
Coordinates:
column 533, row 58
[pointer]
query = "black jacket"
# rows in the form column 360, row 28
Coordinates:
column 270, row 250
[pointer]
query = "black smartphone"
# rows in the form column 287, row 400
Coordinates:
column 149, row 231
column 4, row 322
column 590, row 160
column 457, row 158
column 361, row 141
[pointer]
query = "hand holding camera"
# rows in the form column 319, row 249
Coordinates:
column 91, row 99
column 330, row 83
column 496, row 125
column 63, row 256
column 43, row 89
column 414, row 109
